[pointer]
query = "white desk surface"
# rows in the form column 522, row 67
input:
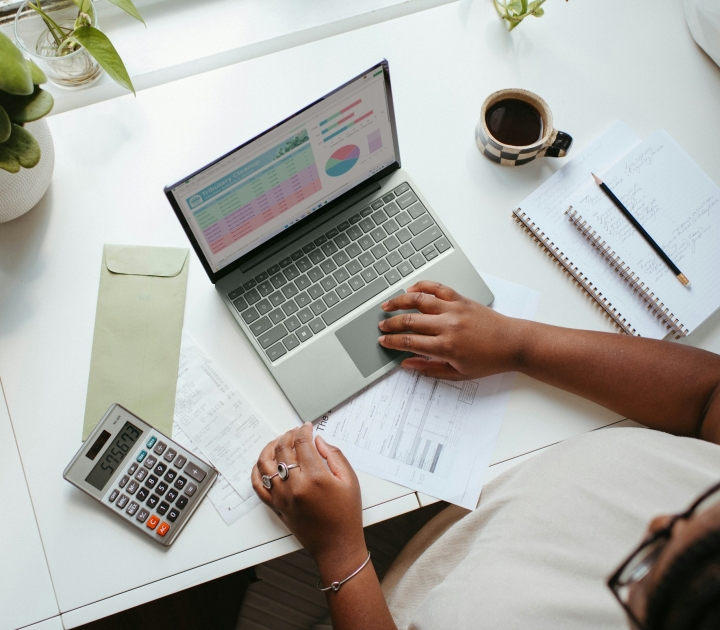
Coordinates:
column 594, row 62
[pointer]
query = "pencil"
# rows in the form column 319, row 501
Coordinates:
column 666, row 259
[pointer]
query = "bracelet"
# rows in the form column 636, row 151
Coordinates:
column 335, row 586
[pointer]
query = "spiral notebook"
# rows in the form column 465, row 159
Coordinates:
column 573, row 221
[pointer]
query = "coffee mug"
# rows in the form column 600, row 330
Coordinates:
column 516, row 126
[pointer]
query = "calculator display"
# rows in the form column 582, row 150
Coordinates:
column 113, row 456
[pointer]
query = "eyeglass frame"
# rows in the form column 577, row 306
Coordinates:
column 613, row 581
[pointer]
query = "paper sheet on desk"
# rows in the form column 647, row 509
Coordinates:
column 433, row 436
column 221, row 425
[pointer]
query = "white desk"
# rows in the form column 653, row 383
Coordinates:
column 593, row 62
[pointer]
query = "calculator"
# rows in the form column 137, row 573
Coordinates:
column 141, row 475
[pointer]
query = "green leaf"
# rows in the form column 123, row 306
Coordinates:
column 5, row 126
column 539, row 13
column 83, row 5
column 21, row 149
column 524, row 6
column 100, row 47
column 128, row 7
column 14, row 74
column 514, row 6
column 23, row 109
column 37, row 75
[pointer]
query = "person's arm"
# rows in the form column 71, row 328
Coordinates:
column 665, row 386
column 320, row 504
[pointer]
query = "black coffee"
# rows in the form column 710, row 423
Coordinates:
column 515, row 122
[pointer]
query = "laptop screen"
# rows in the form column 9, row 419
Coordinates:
column 289, row 172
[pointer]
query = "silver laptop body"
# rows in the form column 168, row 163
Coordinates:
column 306, row 229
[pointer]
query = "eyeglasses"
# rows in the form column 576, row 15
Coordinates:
column 641, row 561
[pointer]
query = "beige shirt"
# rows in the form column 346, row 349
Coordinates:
column 547, row 534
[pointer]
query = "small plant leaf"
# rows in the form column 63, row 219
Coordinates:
column 100, row 47
column 24, row 109
column 128, row 7
column 524, row 7
column 5, row 126
column 14, row 73
column 515, row 6
column 83, row 5
column 539, row 12
column 38, row 76
column 21, row 149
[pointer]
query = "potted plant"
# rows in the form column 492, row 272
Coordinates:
column 515, row 11
column 26, row 150
column 63, row 38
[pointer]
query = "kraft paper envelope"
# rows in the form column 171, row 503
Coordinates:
column 138, row 326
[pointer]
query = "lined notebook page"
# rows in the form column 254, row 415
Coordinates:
column 679, row 206
column 546, row 208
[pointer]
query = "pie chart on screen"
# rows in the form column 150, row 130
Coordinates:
column 342, row 160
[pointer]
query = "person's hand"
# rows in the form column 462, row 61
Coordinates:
column 319, row 502
column 460, row 338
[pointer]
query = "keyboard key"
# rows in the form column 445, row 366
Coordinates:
column 171, row 516
column 170, row 476
column 388, row 197
column 391, row 209
column 378, row 203
column 406, row 251
column 289, row 290
column 429, row 253
column 354, row 232
column 366, row 242
column 276, row 316
column 320, row 240
column 171, row 495
column 275, row 334
column 309, row 247
column 343, row 240
column 341, row 275
column 344, row 226
column 391, row 243
column 263, row 307
column 357, row 283
column 317, row 256
column 328, row 266
column 291, row 272
column 233, row 294
column 170, row 455
column 418, row 225
column 297, row 255
column 315, row 274
column 252, row 296
column 249, row 284
column 353, row 267
column 142, row 515
column 381, row 266
column 132, row 508
column 277, row 298
column 303, row 334
column 341, row 258
column 418, row 260
column 354, row 218
column 353, row 250
column 422, row 240
column 163, row 529
column 132, row 487
column 305, row 316
column 370, row 274
column 123, row 481
column 343, row 291
column 318, row 307
column 416, row 210
column 330, row 299
column 142, row 494
column 141, row 474
column 304, row 264
column 393, row 276
column 180, row 482
column 289, row 308
column 290, row 342
column 332, row 233
column 195, row 471
column 240, row 304
column 180, row 461
column 150, row 462
column 401, row 189
column 122, row 501
column 405, row 268
column 265, row 288
column 151, row 481
column 261, row 276
column 276, row 351
column 329, row 248
column 183, row 501
column 367, row 211
column 302, row 282
column 250, row 315
column 391, row 226
column 161, row 488
column 260, row 326
column 403, row 235
column 153, row 522
column 378, row 234
column 366, row 259
column 291, row 323
column 328, row 282
column 406, row 199
column 278, row 280
column 285, row 261
column 113, row 495
column 273, row 270
column 379, row 217
column 346, row 306
column 316, row 325
column 379, row 251
column 315, row 291
column 302, row 299
column 367, row 225
column 442, row 244
column 403, row 219
column 162, row 508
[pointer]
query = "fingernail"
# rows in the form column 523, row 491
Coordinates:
column 385, row 304
column 381, row 324
column 381, row 339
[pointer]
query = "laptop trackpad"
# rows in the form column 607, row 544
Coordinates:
column 360, row 340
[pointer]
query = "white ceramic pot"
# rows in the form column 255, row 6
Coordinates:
column 19, row 192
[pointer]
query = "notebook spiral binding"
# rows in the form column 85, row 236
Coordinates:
column 653, row 304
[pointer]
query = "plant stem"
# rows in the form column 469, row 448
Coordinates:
column 54, row 29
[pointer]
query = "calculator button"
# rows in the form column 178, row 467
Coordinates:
column 152, row 501
column 160, row 448
column 172, row 515
column 163, row 529
column 170, row 476
column 132, row 508
column 171, row 495
column 141, row 455
column 162, row 508
column 180, row 461
column 180, row 482
column 190, row 490
column 153, row 522
column 161, row 488
column 142, row 515
column 181, row 503
column 151, row 442
column 132, row 487
column 141, row 474
column 151, row 481
column 132, row 469
column 122, row 501
column 150, row 461
column 113, row 495
column 197, row 473
column 123, row 481
column 142, row 494
column 160, row 469
column 170, row 455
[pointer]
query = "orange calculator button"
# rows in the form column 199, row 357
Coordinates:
column 153, row 521
column 163, row 529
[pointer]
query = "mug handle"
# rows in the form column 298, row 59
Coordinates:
column 559, row 144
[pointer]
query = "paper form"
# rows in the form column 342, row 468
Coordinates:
column 430, row 435
column 220, row 423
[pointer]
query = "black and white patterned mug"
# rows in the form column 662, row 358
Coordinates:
column 516, row 126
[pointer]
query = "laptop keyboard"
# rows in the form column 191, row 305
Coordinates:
column 332, row 275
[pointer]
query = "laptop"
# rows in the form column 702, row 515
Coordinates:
column 307, row 228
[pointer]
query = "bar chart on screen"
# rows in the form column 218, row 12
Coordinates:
column 345, row 118
column 374, row 140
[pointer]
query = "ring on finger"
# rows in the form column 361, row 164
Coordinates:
column 267, row 480
column 284, row 470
